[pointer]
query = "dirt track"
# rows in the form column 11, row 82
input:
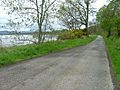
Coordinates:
column 80, row 68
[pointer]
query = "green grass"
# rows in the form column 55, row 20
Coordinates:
column 18, row 53
column 113, row 46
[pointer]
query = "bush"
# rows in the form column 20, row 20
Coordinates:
column 71, row 34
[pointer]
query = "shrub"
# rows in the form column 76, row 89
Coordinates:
column 71, row 34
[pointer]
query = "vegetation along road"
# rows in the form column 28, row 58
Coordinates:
column 79, row 68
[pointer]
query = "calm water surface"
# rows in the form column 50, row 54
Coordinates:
column 11, row 40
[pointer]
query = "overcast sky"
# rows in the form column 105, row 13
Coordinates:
column 3, row 16
column 99, row 3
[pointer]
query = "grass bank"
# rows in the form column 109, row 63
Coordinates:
column 18, row 53
column 113, row 46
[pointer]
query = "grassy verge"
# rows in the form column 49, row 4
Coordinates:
column 113, row 46
column 18, row 53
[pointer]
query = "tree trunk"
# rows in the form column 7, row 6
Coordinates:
column 109, row 34
column 87, row 17
column 118, row 33
column 40, row 34
column 40, row 20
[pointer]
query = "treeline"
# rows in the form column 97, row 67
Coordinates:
column 108, row 18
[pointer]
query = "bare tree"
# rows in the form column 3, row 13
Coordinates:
column 28, row 12
column 76, row 12
column 88, row 10
column 68, row 14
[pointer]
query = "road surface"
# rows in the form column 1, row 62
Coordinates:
column 79, row 68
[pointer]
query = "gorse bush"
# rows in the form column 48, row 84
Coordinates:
column 71, row 34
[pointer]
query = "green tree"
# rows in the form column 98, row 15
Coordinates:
column 108, row 17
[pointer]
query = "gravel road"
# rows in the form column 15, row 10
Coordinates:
column 79, row 68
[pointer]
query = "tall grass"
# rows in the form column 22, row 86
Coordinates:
column 113, row 46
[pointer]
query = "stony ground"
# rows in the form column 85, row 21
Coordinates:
column 80, row 68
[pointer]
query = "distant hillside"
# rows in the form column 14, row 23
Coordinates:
column 13, row 32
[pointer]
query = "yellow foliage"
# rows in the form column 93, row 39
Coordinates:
column 71, row 34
